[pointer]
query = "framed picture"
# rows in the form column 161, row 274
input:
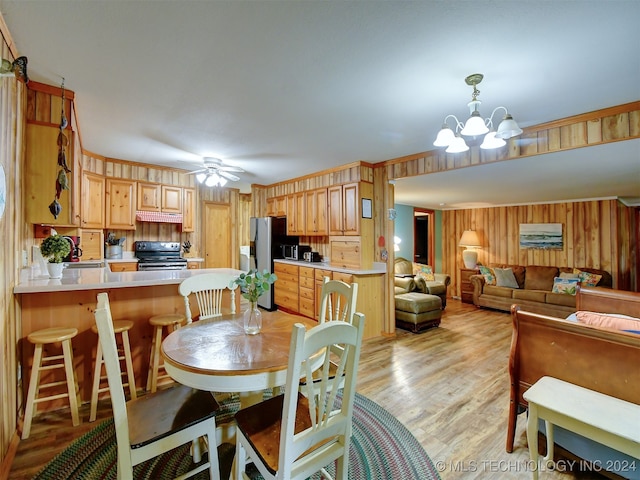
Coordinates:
column 545, row 236
column 366, row 208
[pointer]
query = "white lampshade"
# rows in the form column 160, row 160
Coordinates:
column 475, row 126
column 508, row 128
column 457, row 146
column 491, row 141
column 201, row 177
column 445, row 137
column 470, row 239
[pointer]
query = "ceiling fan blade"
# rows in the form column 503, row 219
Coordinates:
column 228, row 176
column 229, row 168
column 197, row 171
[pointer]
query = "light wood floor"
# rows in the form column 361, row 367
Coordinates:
column 448, row 385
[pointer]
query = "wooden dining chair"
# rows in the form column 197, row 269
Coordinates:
column 157, row 422
column 208, row 289
column 293, row 436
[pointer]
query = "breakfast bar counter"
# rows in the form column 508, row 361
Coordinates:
column 71, row 302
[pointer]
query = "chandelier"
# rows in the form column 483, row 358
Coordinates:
column 476, row 126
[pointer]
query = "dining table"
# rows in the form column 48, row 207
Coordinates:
column 218, row 356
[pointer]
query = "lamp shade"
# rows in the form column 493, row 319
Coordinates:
column 445, row 137
column 457, row 146
column 469, row 239
column 475, row 126
column 508, row 128
column 491, row 141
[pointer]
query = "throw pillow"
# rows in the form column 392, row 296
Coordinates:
column 565, row 285
column 424, row 271
column 587, row 279
column 505, row 278
column 489, row 277
column 609, row 320
column 568, row 275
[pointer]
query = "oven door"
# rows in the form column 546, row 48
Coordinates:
column 150, row 266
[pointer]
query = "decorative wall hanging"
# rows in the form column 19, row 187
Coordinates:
column 62, row 181
column 17, row 68
column 545, row 236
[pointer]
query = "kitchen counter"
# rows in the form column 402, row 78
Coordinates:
column 377, row 269
column 102, row 278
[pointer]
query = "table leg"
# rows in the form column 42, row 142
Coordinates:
column 532, row 437
column 250, row 398
column 548, row 426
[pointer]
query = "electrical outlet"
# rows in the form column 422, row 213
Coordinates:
column 25, row 258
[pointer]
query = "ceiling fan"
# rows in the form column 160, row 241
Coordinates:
column 215, row 172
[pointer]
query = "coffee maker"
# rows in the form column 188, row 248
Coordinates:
column 76, row 251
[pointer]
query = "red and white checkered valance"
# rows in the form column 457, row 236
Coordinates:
column 159, row 217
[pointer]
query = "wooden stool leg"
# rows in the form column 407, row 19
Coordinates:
column 156, row 359
column 129, row 363
column 29, row 410
column 151, row 359
column 71, row 381
column 95, row 391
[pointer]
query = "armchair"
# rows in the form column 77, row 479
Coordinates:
column 414, row 283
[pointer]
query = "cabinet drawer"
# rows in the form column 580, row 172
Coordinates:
column 345, row 254
column 343, row 277
column 286, row 286
column 307, row 293
column 286, row 299
column 306, row 282
column 123, row 266
column 284, row 268
column 320, row 274
column 306, row 272
column 307, row 307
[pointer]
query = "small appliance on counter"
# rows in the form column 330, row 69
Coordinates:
column 76, row 252
column 312, row 257
column 295, row 252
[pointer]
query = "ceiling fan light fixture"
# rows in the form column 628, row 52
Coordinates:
column 201, row 177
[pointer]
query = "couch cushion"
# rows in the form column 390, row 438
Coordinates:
column 518, row 272
column 568, row 286
column 540, row 278
column 505, row 278
column 560, row 299
column 489, row 275
column 611, row 320
column 436, row 288
column 421, row 285
column 588, row 279
column 424, row 271
column 531, row 295
column 497, row 291
column 417, row 302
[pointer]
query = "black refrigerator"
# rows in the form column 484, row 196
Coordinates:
column 266, row 236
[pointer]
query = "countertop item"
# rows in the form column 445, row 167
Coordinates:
column 378, row 267
column 103, row 278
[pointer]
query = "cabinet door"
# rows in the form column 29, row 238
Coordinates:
column 41, row 172
column 316, row 212
column 171, row 199
column 188, row 210
column 351, row 209
column 335, row 210
column 121, row 195
column 295, row 214
column 148, row 197
column 92, row 212
column 281, row 206
column 271, row 207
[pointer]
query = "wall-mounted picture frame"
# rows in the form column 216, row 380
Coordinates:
column 544, row 236
column 366, row 208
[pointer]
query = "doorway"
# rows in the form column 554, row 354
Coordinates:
column 423, row 236
column 217, row 235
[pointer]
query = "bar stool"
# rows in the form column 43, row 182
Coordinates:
column 45, row 337
column 121, row 327
column 172, row 321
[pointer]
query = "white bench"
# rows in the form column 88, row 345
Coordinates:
column 604, row 419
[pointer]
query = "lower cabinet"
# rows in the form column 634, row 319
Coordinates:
column 307, row 291
column 123, row 266
column 286, row 289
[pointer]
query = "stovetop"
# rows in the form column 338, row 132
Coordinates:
column 158, row 252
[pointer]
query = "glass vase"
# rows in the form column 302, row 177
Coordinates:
column 252, row 320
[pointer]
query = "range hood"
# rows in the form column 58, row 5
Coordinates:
column 158, row 217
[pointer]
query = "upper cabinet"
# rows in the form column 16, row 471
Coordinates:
column 188, row 210
column 154, row 197
column 344, row 209
column 42, row 170
column 121, row 204
column 93, row 201
column 296, row 213
column 277, row 206
column 316, row 214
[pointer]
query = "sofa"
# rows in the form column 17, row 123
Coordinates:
column 534, row 291
column 418, row 302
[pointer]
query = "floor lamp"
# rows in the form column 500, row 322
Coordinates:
column 471, row 241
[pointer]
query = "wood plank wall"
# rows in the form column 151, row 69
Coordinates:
column 12, row 108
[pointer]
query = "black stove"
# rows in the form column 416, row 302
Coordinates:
column 159, row 256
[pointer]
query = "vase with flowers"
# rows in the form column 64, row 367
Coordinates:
column 55, row 248
column 253, row 285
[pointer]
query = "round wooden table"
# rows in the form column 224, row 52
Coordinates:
column 216, row 355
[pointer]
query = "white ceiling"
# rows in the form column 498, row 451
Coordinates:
column 287, row 88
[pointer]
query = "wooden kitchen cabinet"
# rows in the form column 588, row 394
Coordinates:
column 121, row 204
column 149, row 197
column 344, row 209
column 93, row 201
column 316, row 213
column 319, row 275
column 277, row 206
column 91, row 244
column 41, row 172
column 171, row 199
column 123, row 266
column 286, row 289
column 193, row 265
column 188, row 210
column 296, row 213
column 306, row 280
